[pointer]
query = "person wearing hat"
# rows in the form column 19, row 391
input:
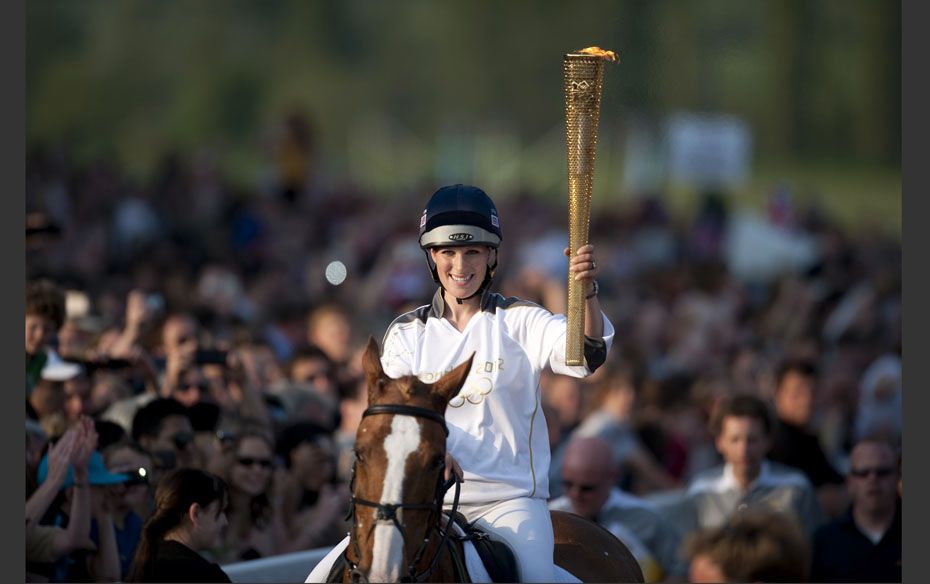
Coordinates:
column 48, row 401
column 81, row 492
column 497, row 432
column 49, row 543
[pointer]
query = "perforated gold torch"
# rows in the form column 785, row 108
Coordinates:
column 584, row 73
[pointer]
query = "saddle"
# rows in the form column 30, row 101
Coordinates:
column 497, row 557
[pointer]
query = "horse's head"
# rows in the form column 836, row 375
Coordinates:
column 400, row 452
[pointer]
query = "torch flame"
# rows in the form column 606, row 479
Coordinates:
column 599, row 52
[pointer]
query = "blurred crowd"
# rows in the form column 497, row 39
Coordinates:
column 187, row 322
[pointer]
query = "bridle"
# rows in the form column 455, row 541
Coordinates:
column 388, row 511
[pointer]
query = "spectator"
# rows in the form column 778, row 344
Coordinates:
column 330, row 328
column 742, row 428
column 311, row 365
column 190, row 388
column 46, row 399
column 351, row 407
column 566, row 396
column 760, row 546
column 794, row 444
column 57, row 397
column 108, row 388
column 589, row 478
column 130, row 500
column 611, row 417
column 108, row 433
column 163, row 428
column 314, row 502
column 77, row 390
column 301, row 402
column 880, row 398
column 45, row 314
column 83, row 493
column 46, row 544
column 256, row 528
column 865, row 544
column 206, row 420
column 180, row 340
column 179, row 345
column 189, row 516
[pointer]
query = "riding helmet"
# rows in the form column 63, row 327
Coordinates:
column 459, row 215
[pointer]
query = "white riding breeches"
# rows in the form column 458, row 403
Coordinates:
column 524, row 524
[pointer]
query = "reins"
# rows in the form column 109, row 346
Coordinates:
column 388, row 511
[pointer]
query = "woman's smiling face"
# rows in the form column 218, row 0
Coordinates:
column 252, row 466
column 461, row 269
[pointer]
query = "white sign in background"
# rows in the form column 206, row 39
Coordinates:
column 708, row 150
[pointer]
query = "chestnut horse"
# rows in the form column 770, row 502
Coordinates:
column 397, row 493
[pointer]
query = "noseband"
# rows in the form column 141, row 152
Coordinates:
column 388, row 511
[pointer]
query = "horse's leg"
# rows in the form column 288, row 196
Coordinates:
column 590, row 552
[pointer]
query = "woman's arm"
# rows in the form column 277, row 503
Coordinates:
column 242, row 374
column 78, row 532
column 59, row 458
column 319, row 525
column 103, row 565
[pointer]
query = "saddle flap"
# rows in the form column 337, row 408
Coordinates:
column 497, row 557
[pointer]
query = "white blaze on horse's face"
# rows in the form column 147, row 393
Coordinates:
column 388, row 549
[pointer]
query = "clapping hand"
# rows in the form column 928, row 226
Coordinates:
column 85, row 445
column 60, row 455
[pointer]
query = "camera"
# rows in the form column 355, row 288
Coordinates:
column 107, row 363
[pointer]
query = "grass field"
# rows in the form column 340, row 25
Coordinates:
column 858, row 198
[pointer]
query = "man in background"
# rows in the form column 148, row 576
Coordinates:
column 864, row 545
column 742, row 427
column 589, row 476
column 793, row 442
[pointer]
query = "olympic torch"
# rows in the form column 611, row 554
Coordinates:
column 584, row 73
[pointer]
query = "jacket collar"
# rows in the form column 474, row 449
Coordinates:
column 438, row 305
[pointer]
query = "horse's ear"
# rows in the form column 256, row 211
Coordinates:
column 371, row 364
column 449, row 384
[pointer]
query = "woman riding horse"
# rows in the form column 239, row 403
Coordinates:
column 497, row 438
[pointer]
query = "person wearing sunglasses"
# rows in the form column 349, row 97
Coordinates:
column 864, row 545
column 163, row 428
column 255, row 523
column 589, row 483
column 310, row 364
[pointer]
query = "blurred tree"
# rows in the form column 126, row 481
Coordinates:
column 134, row 79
